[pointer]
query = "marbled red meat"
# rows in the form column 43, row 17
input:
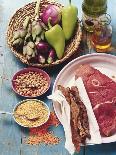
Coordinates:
column 102, row 94
column 106, row 116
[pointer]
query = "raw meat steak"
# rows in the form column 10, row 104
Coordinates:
column 106, row 116
column 102, row 94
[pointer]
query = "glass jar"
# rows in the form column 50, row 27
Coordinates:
column 102, row 34
column 92, row 11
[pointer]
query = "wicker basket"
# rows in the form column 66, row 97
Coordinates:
column 29, row 10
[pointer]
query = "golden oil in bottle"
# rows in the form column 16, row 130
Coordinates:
column 102, row 34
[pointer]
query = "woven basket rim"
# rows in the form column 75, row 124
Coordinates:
column 22, row 58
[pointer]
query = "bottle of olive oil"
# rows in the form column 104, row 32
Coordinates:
column 92, row 11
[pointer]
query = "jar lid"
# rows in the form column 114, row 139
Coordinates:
column 94, row 10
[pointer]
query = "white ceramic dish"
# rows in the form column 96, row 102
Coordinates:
column 106, row 63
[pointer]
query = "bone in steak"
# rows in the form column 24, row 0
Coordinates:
column 102, row 94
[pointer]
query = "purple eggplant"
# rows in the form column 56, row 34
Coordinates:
column 42, row 48
column 51, row 12
column 51, row 56
column 41, row 59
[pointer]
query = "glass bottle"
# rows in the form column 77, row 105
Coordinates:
column 92, row 10
column 102, row 34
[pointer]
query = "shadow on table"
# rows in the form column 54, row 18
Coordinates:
column 102, row 149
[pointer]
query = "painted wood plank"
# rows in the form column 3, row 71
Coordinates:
column 10, row 135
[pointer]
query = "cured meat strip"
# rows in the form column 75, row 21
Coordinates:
column 76, row 139
column 65, row 92
column 102, row 94
column 83, row 117
column 79, row 118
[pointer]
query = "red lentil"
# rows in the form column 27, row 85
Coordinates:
column 42, row 135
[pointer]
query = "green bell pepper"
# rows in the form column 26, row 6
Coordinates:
column 69, row 20
column 55, row 37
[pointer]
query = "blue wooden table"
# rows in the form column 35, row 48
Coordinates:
column 11, row 134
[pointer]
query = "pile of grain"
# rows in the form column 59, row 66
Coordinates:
column 31, row 109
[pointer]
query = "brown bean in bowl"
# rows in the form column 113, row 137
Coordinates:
column 31, row 82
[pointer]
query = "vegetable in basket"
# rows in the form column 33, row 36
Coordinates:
column 26, row 22
column 55, row 37
column 51, row 56
column 53, row 12
column 41, row 59
column 36, row 29
column 20, row 34
column 69, row 20
column 42, row 48
column 29, row 50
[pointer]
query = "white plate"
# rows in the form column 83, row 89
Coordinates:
column 106, row 63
